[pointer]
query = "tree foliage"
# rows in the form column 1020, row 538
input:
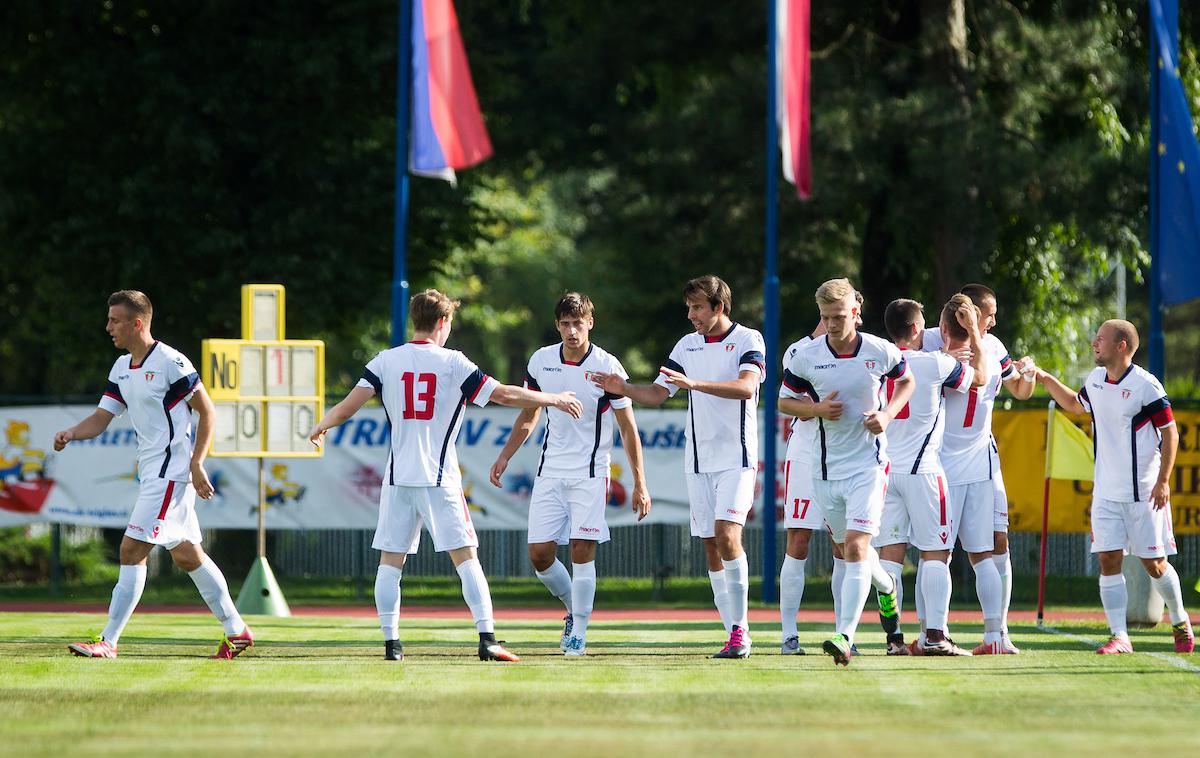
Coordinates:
column 187, row 149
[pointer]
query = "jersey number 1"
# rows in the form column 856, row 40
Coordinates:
column 422, row 408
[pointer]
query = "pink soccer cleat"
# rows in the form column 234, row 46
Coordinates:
column 1185, row 641
column 1115, row 645
column 97, row 648
column 232, row 647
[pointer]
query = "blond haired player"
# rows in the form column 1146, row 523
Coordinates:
column 1136, row 440
column 159, row 388
column 570, row 491
column 721, row 366
column 850, row 464
column 425, row 390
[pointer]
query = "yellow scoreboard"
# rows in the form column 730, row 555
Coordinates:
column 268, row 390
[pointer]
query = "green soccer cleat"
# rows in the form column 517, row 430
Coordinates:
column 838, row 647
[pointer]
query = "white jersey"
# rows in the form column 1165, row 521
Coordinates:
column 803, row 432
column 155, row 392
column 915, row 435
column 576, row 448
column 846, row 447
column 1126, row 417
column 967, row 444
column 722, row 433
column 425, row 390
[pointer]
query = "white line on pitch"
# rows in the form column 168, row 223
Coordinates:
column 1173, row 660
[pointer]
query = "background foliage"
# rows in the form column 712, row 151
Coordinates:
column 185, row 149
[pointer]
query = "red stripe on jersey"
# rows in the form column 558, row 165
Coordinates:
column 162, row 512
column 1163, row 417
column 118, row 398
column 942, row 499
column 972, row 398
column 475, row 394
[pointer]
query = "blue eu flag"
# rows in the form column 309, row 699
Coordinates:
column 1176, row 192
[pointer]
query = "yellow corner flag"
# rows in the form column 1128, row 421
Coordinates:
column 1069, row 452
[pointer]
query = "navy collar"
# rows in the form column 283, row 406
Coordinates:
column 836, row 354
column 1110, row 381
column 144, row 357
column 722, row 337
column 562, row 355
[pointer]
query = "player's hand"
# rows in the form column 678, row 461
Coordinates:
column 497, row 471
column 62, row 438
column 316, row 435
column 876, row 421
column 676, row 378
column 829, row 408
column 1027, row 368
column 968, row 317
column 962, row 355
column 1160, row 496
column 641, row 500
column 613, row 384
column 203, row 487
column 569, row 404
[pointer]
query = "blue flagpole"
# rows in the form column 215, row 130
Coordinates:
column 1170, row 10
column 403, row 111
column 771, row 317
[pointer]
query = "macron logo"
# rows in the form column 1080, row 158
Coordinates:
column 825, row 365
column 694, row 349
column 552, row 368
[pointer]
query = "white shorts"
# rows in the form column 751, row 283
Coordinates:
column 1000, row 513
column 916, row 510
column 561, row 510
column 1135, row 527
column 165, row 514
column 853, row 504
column 972, row 516
column 442, row 510
column 800, row 509
column 720, row 496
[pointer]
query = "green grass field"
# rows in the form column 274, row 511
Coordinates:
column 319, row 685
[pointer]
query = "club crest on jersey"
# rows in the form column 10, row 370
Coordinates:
column 870, row 365
column 729, row 348
column 1125, row 394
column 150, row 375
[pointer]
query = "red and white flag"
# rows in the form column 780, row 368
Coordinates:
column 792, row 81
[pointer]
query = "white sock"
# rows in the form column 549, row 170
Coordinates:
column 558, row 581
column 1004, row 566
column 919, row 600
column 935, row 589
column 987, row 587
column 211, row 583
column 720, row 598
column 791, row 592
column 836, row 580
column 737, row 590
column 1168, row 587
column 893, row 570
column 880, row 578
column 583, row 596
column 125, row 595
column 387, row 600
column 477, row 594
column 856, row 586
column 1115, row 599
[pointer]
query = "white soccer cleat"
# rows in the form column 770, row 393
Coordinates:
column 576, row 647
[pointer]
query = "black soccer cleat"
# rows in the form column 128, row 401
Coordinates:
column 393, row 650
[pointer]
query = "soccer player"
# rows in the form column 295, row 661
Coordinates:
column 721, row 366
column 1136, row 440
column 571, row 488
column 850, row 473
column 159, row 388
column 801, row 514
column 972, row 464
column 915, row 508
column 425, row 389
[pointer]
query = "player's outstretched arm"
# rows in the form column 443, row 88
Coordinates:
column 206, row 413
column 1160, row 496
column 804, row 408
column 1066, row 397
column 652, row 395
column 90, row 427
column 633, row 450
column 519, row 397
column 742, row 388
column 341, row 413
column 521, row 430
column 1021, row 385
